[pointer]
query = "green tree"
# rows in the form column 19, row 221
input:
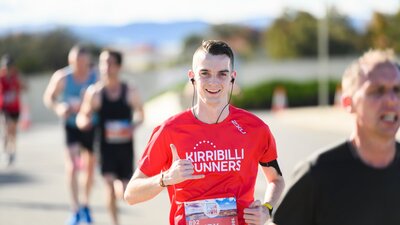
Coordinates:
column 291, row 35
column 243, row 39
column 40, row 52
column 343, row 38
column 294, row 34
column 22, row 47
column 190, row 45
column 377, row 31
column 395, row 31
column 383, row 31
column 55, row 46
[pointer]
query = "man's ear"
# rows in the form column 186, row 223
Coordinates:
column 233, row 74
column 191, row 75
column 347, row 103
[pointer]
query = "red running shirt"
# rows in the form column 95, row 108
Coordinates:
column 228, row 153
column 10, row 87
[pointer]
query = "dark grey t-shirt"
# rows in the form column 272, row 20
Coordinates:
column 336, row 188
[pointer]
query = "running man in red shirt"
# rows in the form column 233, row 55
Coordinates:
column 10, row 88
column 208, row 156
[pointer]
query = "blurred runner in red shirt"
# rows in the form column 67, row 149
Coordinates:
column 10, row 87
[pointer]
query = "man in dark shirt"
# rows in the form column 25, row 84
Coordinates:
column 115, row 103
column 356, row 182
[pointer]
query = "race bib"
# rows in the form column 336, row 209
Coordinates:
column 221, row 211
column 118, row 131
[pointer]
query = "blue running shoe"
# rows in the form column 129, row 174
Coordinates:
column 85, row 215
column 74, row 219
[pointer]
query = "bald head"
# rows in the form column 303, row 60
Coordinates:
column 359, row 70
column 79, row 59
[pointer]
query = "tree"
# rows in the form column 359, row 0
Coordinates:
column 293, row 34
column 377, row 31
column 383, row 31
column 343, row 38
column 55, row 46
column 40, row 52
column 23, row 48
column 395, row 31
column 243, row 39
column 190, row 44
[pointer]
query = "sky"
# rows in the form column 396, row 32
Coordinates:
column 121, row 12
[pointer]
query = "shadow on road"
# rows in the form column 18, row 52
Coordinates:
column 14, row 177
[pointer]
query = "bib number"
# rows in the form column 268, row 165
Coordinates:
column 221, row 211
column 118, row 131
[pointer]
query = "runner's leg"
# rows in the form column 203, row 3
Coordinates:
column 111, row 199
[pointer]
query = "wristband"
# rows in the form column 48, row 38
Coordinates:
column 269, row 207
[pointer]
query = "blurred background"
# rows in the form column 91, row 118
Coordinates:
column 290, row 58
column 302, row 46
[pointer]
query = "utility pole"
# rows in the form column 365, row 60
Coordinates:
column 323, row 58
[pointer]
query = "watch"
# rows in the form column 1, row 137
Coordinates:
column 269, row 207
column 161, row 182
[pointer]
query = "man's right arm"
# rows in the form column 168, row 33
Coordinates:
column 142, row 188
column 53, row 90
column 90, row 104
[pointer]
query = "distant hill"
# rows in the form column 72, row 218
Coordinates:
column 152, row 33
column 135, row 33
column 139, row 33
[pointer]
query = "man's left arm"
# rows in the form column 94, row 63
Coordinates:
column 276, row 183
column 135, row 101
column 260, row 212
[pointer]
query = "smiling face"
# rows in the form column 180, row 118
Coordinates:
column 376, row 101
column 212, row 75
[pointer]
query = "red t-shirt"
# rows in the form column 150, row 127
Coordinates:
column 9, row 91
column 228, row 153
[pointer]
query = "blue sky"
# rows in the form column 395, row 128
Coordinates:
column 121, row 12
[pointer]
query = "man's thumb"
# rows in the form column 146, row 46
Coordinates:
column 255, row 204
column 174, row 152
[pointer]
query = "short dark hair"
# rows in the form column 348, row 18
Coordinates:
column 116, row 54
column 217, row 47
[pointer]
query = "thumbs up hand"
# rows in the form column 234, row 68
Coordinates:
column 180, row 170
column 174, row 152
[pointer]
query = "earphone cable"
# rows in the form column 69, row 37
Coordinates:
column 230, row 96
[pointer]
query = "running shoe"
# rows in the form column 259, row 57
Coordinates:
column 85, row 215
column 74, row 219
